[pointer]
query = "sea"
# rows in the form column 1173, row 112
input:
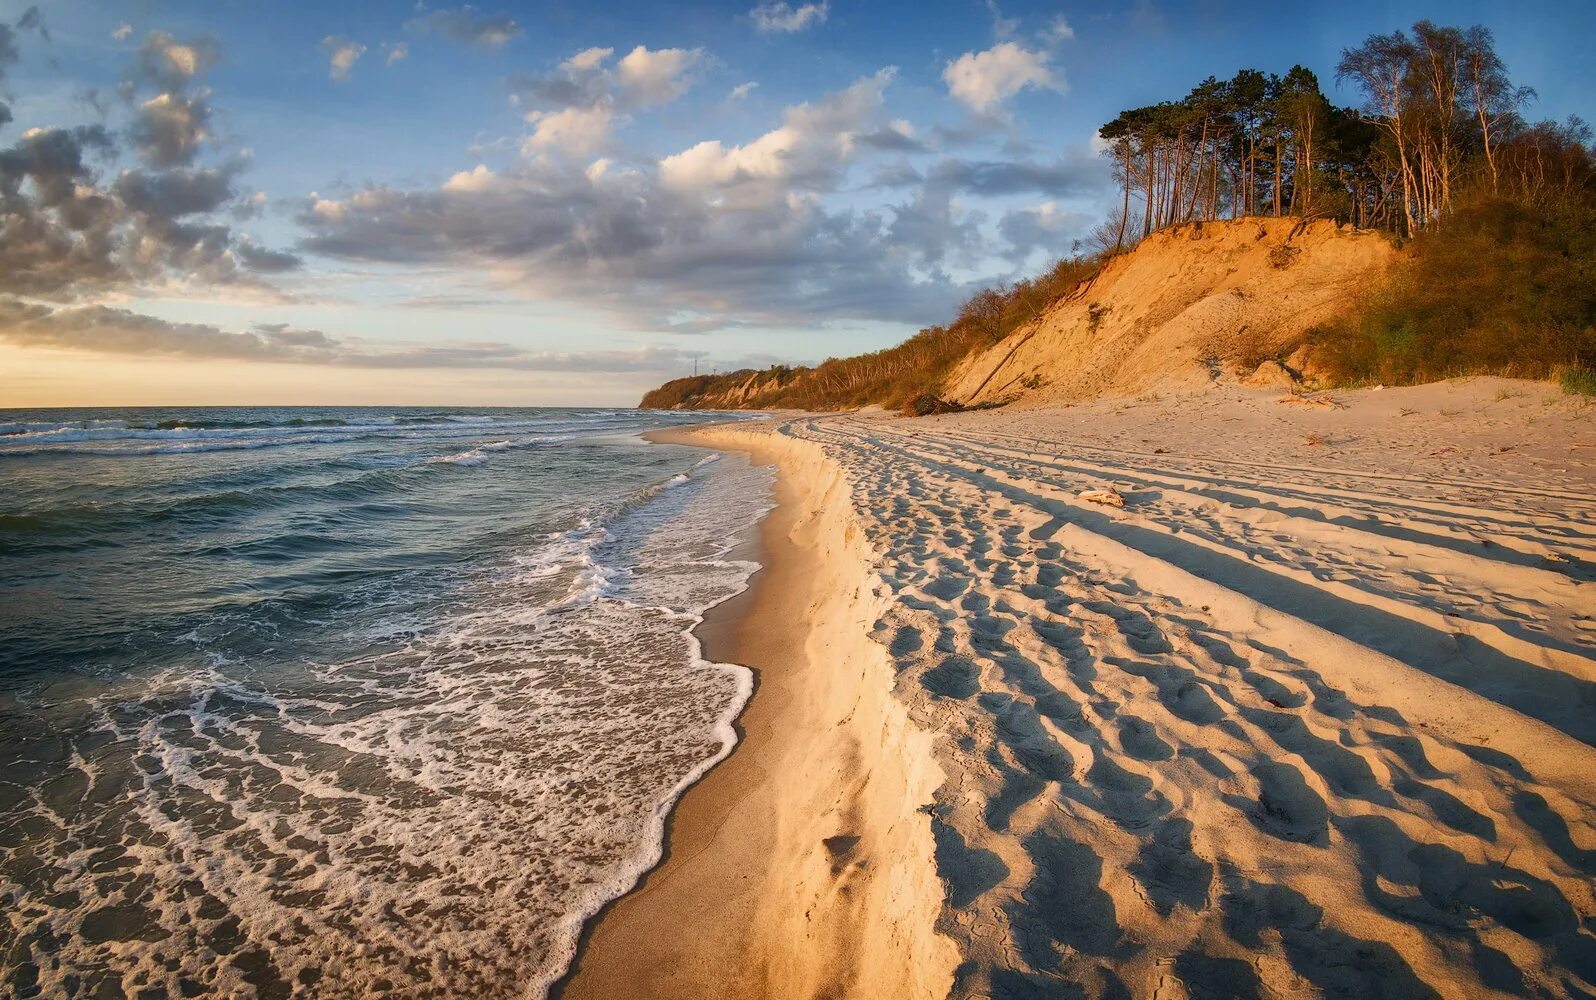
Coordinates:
column 377, row 701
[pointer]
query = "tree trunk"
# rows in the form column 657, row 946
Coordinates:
column 1119, row 242
column 1279, row 169
column 1147, row 214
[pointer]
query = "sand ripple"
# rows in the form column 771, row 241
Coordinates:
column 1296, row 721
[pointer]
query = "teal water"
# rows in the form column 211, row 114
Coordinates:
column 330, row 701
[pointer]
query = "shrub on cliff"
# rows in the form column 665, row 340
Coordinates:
column 1500, row 286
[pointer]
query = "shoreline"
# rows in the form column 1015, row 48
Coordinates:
column 712, row 634
column 758, row 859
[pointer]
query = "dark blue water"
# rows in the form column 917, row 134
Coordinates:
column 309, row 700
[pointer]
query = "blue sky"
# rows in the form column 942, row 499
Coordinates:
column 566, row 203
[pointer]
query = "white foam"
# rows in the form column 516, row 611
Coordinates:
column 476, row 456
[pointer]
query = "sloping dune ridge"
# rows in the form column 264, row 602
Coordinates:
column 1312, row 714
column 1189, row 303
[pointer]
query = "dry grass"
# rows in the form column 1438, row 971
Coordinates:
column 1253, row 348
column 1284, row 255
column 1577, row 380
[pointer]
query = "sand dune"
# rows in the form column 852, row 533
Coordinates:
column 1313, row 714
column 1188, row 303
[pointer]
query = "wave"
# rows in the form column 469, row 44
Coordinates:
column 573, row 554
column 476, row 456
column 189, row 423
column 132, row 436
column 176, row 442
column 578, row 551
column 98, row 524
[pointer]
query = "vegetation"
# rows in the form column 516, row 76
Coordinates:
column 1578, row 381
column 1497, row 286
column 1440, row 119
column 1502, row 275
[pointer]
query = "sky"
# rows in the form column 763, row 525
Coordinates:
column 228, row 202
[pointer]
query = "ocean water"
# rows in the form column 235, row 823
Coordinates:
column 346, row 701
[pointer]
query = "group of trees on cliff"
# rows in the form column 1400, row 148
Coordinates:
column 1441, row 121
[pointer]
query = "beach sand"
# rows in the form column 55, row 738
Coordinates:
column 1312, row 713
column 800, row 866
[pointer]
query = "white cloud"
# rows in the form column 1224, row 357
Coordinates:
column 1058, row 30
column 341, row 56
column 479, row 179
column 785, row 19
column 984, row 80
column 183, row 59
column 575, row 130
column 575, row 107
column 123, row 32
column 719, row 235
column 171, row 62
column 658, row 76
column 1002, row 27
column 742, row 90
column 587, row 60
column 808, row 150
column 396, row 52
column 157, row 223
column 327, row 208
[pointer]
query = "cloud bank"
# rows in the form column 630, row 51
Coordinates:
column 715, row 235
column 70, row 229
column 105, row 330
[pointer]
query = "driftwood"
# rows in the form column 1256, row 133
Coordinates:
column 1325, row 401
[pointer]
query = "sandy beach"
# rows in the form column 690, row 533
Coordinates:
column 799, row 866
column 1310, row 714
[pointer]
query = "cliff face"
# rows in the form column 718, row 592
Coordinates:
column 1188, row 305
column 730, row 391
